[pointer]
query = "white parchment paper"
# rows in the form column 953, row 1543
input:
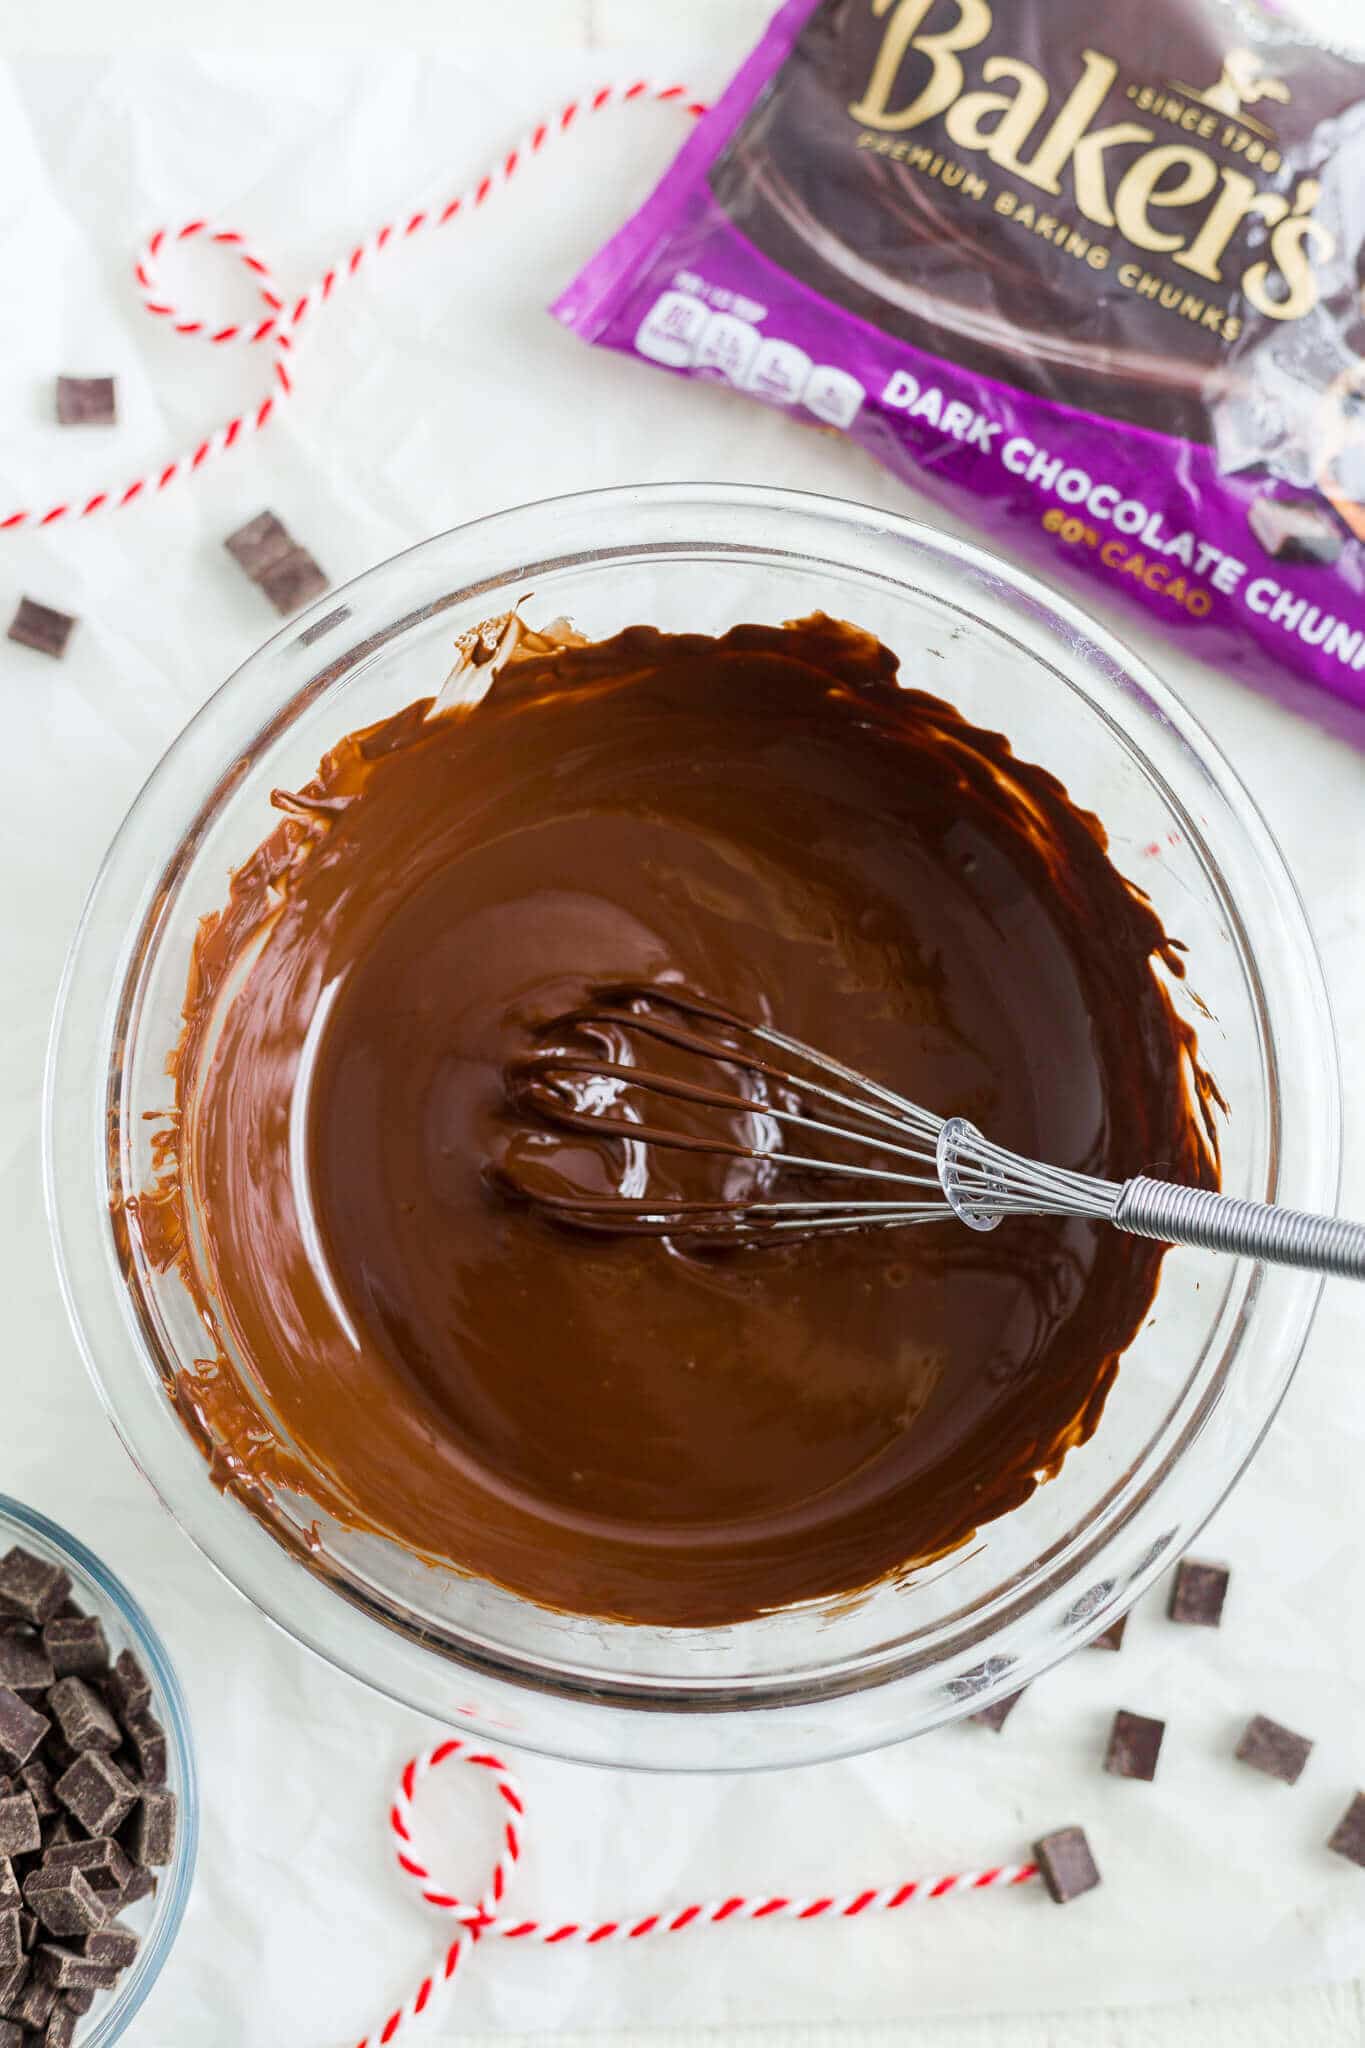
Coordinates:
column 440, row 391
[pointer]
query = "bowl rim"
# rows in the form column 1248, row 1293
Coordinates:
column 131, row 1993
column 719, row 1701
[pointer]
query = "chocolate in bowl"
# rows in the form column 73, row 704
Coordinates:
column 604, row 1424
column 1199, row 1381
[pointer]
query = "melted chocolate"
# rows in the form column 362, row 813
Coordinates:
column 623, row 1426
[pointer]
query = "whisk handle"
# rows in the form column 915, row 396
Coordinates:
column 1255, row 1230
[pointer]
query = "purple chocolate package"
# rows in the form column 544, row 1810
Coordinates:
column 1100, row 269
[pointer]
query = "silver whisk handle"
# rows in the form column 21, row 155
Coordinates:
column 1255, row 1230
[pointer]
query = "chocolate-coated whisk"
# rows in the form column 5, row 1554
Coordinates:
column 774, row 1107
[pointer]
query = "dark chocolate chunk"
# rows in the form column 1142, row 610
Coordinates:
column 63, row 1829
column 1348, row 1836
column 996, row 1715
column 64, row 1902
column 36, row 1780
column 96, row 1792
column 75, row 2001
column 1198, row 1592
column 1112, row 1637
column 76, row 1645
column 20, row 1831
column 1296, row 529
column 1275, row 1750
column 81, row 1714
column 11, row 2033
column 10, row 1893
column 12, row 1984
column 147, row 1740
column 30, row 1587
column 116, row 1945
column 260, row 542
column 33, row 2004
column 11, row 1941
column 1134, row 1746
column 1066, row 1865
column 71, row 1972
column 129, row 1687
column 86, row 402
column 151, row 1832
column 293, row 581
column 273, row 560
column 39, row 627
column 28, row 1929
column 25, row 1666
column 21, row 1729
column 140, row 1885
column 60, row 2031
column 102, row 1863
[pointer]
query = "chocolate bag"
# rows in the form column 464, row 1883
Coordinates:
column 1099, row 268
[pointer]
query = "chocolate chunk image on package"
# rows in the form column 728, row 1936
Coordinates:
column 1094, row 272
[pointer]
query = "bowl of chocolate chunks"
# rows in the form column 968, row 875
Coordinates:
column 98, row 1807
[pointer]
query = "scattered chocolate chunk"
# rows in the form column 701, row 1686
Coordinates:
column 76, row 1646
column 11, row 1939
column 1198, row 1592
column 63, row 1901
column 294, row 581
column 96, row 1792
column 1277, row 1751
column 30, row 1587
column 129, row 1687
column 25, row 1666
column 1066, row 1865
column 115, row 1946
column 276, row 564
column 147, row 1740
column 21, row 1729
column 1134, row 1746
column 259, row 543
column 86, row 402
column 39, row 627
column 36, row 1780
column 151, row 1832
column 60, row 2031
column 82, row 1716
column 20, row 1832
column 1296, row 529
column 996, row 1715
column 1348, row 1836
column 72, row 1972
column 1112, row 1637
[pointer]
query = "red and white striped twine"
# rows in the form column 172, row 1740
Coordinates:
column 487, row 1916
column 278, row 326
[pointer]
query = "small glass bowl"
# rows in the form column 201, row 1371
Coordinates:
column 1196, row 1390
column 95, row 1589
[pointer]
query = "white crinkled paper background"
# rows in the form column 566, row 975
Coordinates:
column 441, row 390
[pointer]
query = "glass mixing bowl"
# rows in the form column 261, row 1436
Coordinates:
column 156, row 1920
column 1197, row 1389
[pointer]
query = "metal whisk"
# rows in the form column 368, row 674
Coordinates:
column 745, row 1094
